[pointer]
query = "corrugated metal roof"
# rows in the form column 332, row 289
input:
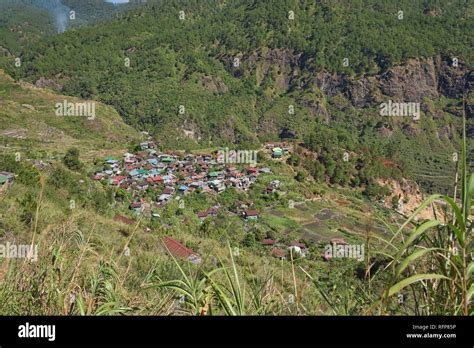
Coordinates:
column 177, row 249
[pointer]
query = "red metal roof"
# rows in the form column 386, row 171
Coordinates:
column 202, row 214
column 278, row 252
column 268, row 241
column 298, row 244
column 338, row 241
column 177, row 249
column 251, row 213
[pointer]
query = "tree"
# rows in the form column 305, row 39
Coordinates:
column 374, row 190
column 71, row 159
column 300, row 177
column 395, row 202
column 28, row 207
column 318, row 171
column 294, row 160
column 249, row 240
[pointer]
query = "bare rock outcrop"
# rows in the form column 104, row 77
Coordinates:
column 213, row 84
column 411, row 82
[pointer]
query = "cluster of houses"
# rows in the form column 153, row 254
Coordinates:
column 175, row 175
column 279, row 251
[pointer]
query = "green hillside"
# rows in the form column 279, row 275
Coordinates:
column 28, row 121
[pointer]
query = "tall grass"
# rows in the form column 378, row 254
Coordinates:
column 431, row 263
column 222, row 290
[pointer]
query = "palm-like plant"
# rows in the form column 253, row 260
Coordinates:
column 193, row 288
column 443, row 285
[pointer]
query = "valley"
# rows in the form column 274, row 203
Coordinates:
column 237, row 158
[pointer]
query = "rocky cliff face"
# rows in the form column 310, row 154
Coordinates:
column 411, row 82
column 408, row 197
column 283, row 71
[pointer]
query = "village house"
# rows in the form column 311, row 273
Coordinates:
column 251, row 170
column 168, row 191
column 279, row 253
column 117, row 180
column 268, row 242
column 277, row 152
column 213, row 211
column 147, row 145
column 250, row 214
column 136, row 207
column 163, row 198
column 338, row 241
column 297, row 248
column 40, row 164
column 217, row 185
column 178, row 250
column 183, row 189
column 6, row 180
column 241, row 205
column 98, row 177
column 202, row 215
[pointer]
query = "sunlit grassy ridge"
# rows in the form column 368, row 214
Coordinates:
column 28, row 120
